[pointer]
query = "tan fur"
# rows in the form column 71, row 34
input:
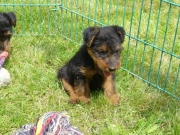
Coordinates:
column 103, row 48
column 90, row 42
column 88, row 72
column 73, row 97
column 8, row 47
column 110, row 91
column 98, row 61
column 77, row 93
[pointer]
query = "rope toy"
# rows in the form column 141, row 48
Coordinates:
column 4, row 74
column 3, row 57
column 51, row 123
column 2, row 60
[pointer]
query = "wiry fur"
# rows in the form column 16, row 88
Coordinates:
column 94, row 65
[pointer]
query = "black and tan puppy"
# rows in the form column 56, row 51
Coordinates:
column 7, row 20
column 94, row 65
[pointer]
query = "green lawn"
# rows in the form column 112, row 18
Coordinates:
column 35, row 59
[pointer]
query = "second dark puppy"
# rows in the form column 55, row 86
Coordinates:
column 94, row 65
column 7, row 20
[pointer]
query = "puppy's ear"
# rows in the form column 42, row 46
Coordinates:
column 89, row 34
column 11, row 17
column 121, row 32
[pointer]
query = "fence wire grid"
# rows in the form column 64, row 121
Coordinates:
column 152, row 44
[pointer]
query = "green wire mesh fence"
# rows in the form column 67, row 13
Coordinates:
column 152, row 46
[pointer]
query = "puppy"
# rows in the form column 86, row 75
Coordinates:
column 7, row 20
column 94, row 65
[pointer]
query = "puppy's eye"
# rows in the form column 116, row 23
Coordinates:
column 103, row 53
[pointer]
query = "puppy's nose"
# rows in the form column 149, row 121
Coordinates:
column 112, row 69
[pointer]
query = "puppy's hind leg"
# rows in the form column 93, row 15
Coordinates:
column 81, row 88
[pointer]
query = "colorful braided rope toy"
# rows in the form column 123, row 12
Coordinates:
column 3, row 56
column 51, row 123
column 4, row 74
column 2, row 60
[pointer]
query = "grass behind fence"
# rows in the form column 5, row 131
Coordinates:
column 34, row 61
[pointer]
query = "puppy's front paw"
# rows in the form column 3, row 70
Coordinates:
column 85, row 99
column 74, row 101
column 114, row 99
